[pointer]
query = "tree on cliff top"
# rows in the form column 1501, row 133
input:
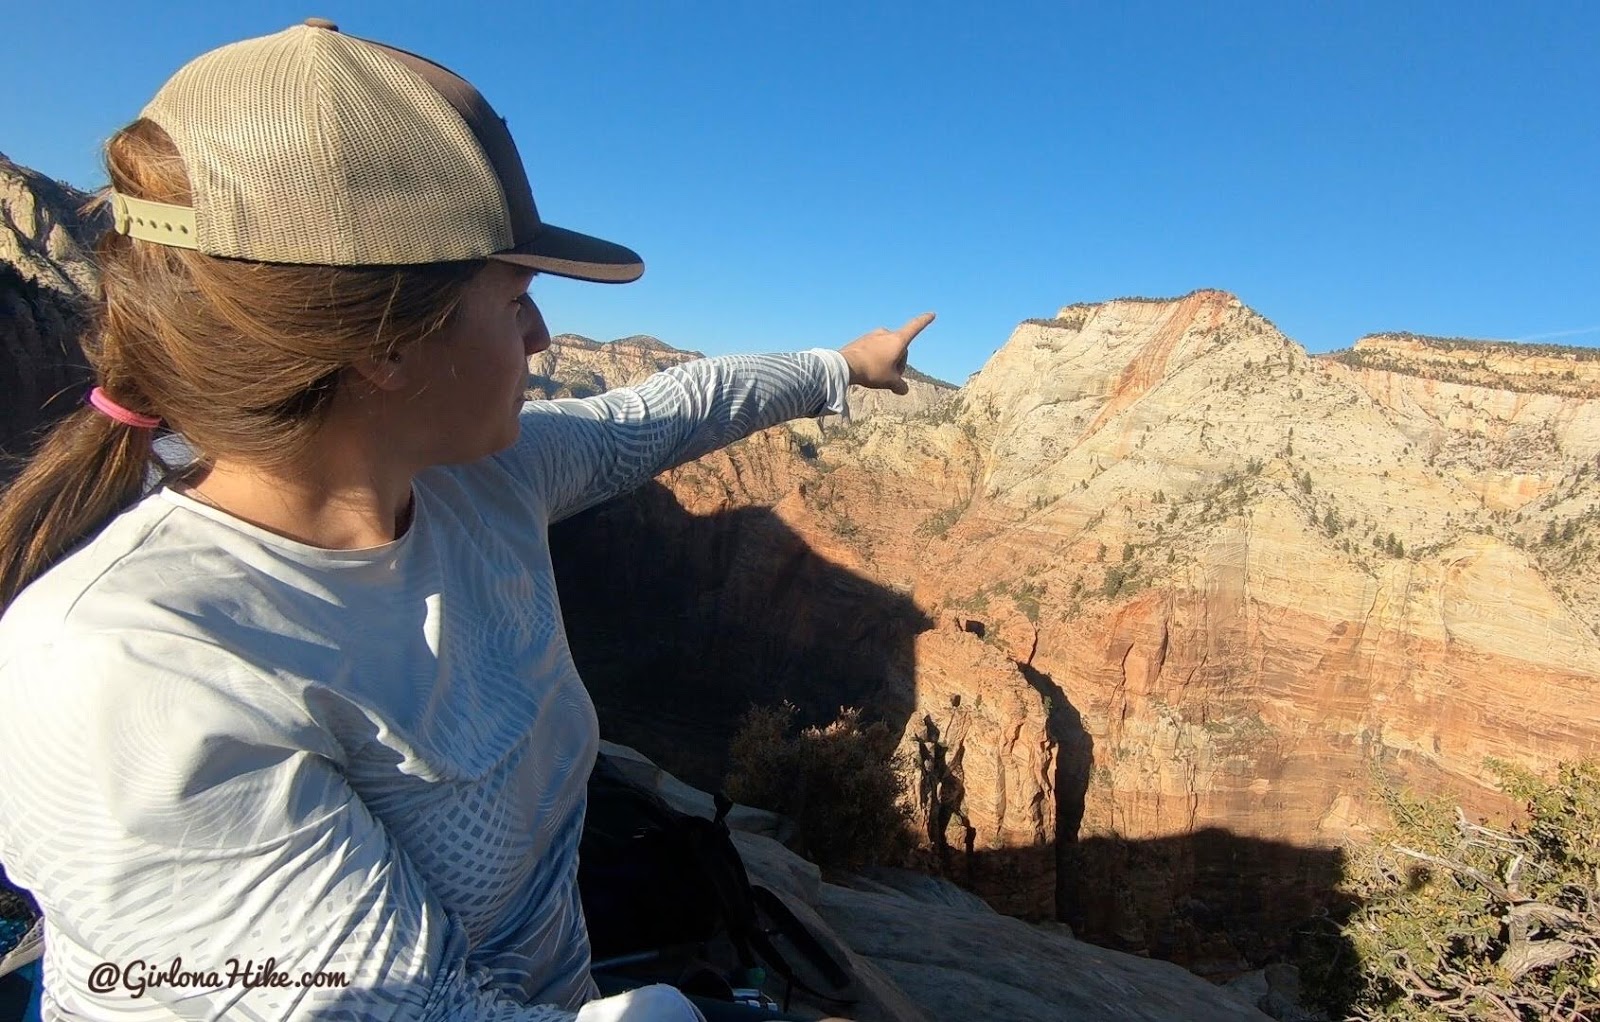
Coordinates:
column 1465, row 921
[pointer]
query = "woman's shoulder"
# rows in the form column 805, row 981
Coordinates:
column 492, row 491
column 108, row 581
column 157, row 592
column 142, row 619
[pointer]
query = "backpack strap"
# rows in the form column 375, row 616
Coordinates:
column 713, row 851
column 765, row 905
column 751, row 916
column 842, row 989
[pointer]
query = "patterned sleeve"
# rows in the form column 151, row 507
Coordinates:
column 576, row 453
column 169, row 825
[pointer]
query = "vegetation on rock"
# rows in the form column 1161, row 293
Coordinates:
column 1465, row 921
column 838, row 782
column 1514, row 348
column 1471, row 364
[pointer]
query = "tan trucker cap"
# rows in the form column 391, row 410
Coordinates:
column 314, row 147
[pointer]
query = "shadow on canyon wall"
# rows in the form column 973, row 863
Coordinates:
column 680, row 622
column 1212, row 900
column 43, row 373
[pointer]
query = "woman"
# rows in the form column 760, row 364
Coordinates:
column 297, row 733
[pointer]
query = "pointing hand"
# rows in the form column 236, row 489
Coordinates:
column 878, row 359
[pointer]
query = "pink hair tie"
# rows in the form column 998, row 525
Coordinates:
column 105, row 406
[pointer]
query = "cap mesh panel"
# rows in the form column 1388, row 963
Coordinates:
column 309, row 146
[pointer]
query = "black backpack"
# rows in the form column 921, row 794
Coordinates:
column 666, row 897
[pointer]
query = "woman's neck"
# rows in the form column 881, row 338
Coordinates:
column 351, row 512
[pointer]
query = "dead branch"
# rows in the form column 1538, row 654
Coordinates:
column 1552, row 916
column 1418, row 985
column 1512, row 869
column 1523, row 957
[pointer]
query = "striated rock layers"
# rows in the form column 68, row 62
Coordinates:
column 1156, row 599
column 46, row 277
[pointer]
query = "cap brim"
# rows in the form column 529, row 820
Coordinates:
column 570, row 254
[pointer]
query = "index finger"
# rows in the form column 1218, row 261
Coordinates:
column 914, row 325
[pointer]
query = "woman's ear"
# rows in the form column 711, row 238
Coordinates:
column 391, row 371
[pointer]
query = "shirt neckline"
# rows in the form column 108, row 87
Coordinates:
column 305, row 551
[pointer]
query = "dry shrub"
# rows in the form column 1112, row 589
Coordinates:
column 1462, row 921
column 839, row 783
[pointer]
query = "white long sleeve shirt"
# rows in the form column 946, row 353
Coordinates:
column 217, row 743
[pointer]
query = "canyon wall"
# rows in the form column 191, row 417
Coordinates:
column 1175, row 596
column 46, row 281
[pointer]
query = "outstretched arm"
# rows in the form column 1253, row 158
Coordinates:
column 576, row 453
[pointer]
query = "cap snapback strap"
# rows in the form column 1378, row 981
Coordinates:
column 153, row 221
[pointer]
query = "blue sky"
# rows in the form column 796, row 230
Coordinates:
column 797, row 173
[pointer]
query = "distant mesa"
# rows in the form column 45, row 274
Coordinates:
column 647, row 342
column 917, row 376
column 1519, row 367
column 575, row 340
column 641, row 341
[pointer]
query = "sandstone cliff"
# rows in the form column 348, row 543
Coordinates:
column 1516, row 425
column 924, row 394
column 46, row 277
column 43, row 232
column 1155, row 597
column 575, row 366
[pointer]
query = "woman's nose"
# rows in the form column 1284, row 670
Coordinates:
column 535, row 335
